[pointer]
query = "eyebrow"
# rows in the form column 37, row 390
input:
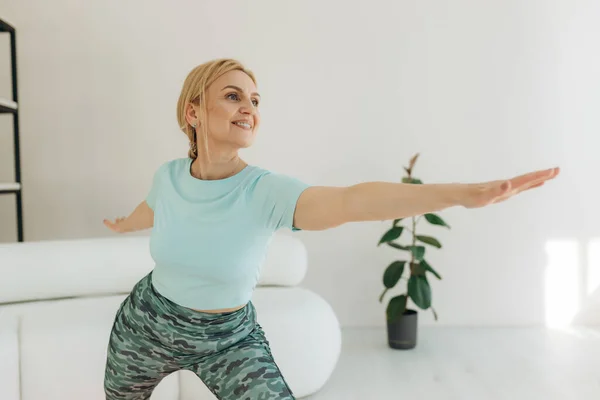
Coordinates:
column 239, row 89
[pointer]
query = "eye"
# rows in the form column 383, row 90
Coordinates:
column 232, row 94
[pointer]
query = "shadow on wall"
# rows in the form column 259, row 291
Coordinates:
column 572, row 283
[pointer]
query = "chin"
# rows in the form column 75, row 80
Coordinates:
column 246, row 144
column 245, row 141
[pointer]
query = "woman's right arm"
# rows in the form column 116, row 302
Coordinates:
column 141, row 218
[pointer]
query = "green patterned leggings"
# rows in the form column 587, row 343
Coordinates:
column 153, row 337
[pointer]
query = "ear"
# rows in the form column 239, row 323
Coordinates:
column 191, row 114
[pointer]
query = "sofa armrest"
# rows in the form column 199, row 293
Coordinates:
column 9, row 356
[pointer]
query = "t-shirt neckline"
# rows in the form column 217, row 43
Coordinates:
column 233, row 178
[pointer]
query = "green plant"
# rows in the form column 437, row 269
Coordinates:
column 418, row 288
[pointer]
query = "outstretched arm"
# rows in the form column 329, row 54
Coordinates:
column 141, row 218
column 324, row 207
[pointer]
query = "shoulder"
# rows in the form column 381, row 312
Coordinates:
column 266, row 177
column 168, row 166
column 272, row 183
column 167, row 170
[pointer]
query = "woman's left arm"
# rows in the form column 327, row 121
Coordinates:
column 324, row 207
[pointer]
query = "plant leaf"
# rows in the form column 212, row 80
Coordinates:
column 429, row 240
column 397, row 220
column 428, row 267
column 418, row 268
column 412, row 180
column 419, row 291
column 392, row 234
column 396, row 307
column 398, row 246
column 418, row 252
column 413, row 161
column 393, row 273
column 436, row 220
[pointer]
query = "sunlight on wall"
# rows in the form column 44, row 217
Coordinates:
column 593, row 267
column 562, row 282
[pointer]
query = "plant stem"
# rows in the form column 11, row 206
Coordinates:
column 414, row 236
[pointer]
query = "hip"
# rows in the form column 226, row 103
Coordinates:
column 156, row 318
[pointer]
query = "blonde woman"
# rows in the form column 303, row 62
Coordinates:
column 212, row 216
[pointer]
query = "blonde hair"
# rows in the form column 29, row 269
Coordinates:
column 194, row 91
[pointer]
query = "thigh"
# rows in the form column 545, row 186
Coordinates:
column 135, row 363
column 245, row 370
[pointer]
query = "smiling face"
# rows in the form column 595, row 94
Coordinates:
column 232, row 105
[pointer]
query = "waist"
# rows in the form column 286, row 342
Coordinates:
column 201, row 294
column 149, row 308
column 222, row 310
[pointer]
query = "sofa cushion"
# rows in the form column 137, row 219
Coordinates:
column 105, row 266
column 63, row 349
column 9, row 356
column 63, row 345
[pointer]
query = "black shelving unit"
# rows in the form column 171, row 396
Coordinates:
column 8, row 106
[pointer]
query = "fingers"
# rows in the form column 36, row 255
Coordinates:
column 110, row 225
column 114, row 226
column 531, row 186
column 509, row 193
column 538, row 182
column 535, row 177
column 501, row 190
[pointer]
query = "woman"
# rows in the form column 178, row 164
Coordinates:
column 212, row 216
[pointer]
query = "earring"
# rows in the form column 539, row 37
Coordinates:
column 194, row 125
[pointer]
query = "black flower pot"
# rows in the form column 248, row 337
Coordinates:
column 402, row 333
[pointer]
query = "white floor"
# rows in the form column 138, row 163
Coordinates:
column 469, row 363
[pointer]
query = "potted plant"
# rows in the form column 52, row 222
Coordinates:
column 401, row 320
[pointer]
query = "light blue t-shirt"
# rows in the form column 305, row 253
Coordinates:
column 210, row 237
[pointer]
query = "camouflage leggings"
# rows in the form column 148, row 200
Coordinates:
column 152, row 337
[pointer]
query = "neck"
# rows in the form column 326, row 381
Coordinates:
column 216, row 169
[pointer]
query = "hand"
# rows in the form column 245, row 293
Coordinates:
column 483, row 194
column 117, row 226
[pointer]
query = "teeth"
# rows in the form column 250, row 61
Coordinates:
column 244, row 124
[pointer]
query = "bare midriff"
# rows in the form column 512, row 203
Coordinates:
column 223, row 310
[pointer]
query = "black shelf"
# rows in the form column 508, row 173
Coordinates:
column 6, row 27
column 11, row 107
column 10, row 190
column 7, row 109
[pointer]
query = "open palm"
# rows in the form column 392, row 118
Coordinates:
column 116, row 226
column 492, row 192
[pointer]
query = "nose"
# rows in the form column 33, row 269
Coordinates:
column 247, row 107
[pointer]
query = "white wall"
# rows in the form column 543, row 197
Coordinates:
column 484, row 90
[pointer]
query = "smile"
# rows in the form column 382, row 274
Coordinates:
column 244, row 125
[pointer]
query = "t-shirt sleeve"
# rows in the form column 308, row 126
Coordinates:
column 278, row 196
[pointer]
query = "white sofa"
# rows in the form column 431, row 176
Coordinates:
column 58, row 300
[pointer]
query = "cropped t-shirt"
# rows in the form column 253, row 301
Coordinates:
column 210, row 237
